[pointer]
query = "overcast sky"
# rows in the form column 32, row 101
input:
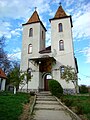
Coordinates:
column 13, row 13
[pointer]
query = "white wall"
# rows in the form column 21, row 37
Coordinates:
column 36, row 41
column 65, row 57
column 3, row 84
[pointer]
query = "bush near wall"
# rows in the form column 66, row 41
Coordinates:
column 55, row 88
column 83, row 89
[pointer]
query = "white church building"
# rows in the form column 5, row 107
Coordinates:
column 44, row 62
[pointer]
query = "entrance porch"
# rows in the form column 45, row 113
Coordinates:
column 45, row 65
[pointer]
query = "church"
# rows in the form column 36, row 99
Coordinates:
column 45, row 63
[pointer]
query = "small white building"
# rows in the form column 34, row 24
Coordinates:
column 48, row 62
column 2, row 80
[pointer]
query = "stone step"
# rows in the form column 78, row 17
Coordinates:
column 44, row 93
column 39, row 94
column 45, row 99
column 54, row 109
column 47, row 102
column 47, row 107
column 51, row 115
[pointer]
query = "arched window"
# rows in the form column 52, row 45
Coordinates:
column 61, row 45
column 29, row 48
column 62, row 69
column 60, row 27
column 48, row 77
column 30, row 32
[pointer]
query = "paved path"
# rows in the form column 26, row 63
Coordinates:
column 48, row 108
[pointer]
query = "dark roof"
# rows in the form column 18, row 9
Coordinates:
column 60, row 14
column 2, row 74
column 46, row 50
column 34, row 19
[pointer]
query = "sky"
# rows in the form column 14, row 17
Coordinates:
column 13, row 13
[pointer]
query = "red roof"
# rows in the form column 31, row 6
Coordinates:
column 46, row 50
column 2, row 74
column 60, row 13
column 34, row 19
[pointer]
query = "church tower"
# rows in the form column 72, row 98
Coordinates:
column 62, row 45
column 33, row 39
column 61, row 38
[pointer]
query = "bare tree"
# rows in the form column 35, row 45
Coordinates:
column 4, row 61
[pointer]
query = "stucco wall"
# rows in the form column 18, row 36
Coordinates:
column 36, row 41
column 3, row 81
column 66, row 56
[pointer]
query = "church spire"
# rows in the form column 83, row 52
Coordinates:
column 34, row 17
column 60, row 12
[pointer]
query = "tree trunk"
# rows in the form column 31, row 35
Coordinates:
column 14, row 90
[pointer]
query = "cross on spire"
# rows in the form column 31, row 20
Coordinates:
column 60, row 3
column 35, row 8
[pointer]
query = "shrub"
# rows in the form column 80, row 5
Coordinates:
column 79, row 109
column 32, row 93
column 68, row 102
column 5, row 93
column 55, row 88
column 83, row 89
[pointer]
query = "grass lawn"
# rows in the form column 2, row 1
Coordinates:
column 79, row 104
column 11, row 106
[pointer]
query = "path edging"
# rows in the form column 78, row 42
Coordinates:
column 70, row 111
column 32, row 106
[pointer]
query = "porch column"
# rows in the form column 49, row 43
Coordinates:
column 3, row 84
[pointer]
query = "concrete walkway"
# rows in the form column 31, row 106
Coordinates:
column 48, row 108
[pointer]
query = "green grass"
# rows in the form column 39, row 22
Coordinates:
column 11, row 105
column 80, row 103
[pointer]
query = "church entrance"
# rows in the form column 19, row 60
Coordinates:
column 46, row 81
column 45, row 64
column 45, row 67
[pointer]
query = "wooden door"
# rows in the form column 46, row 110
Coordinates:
column 46, row 88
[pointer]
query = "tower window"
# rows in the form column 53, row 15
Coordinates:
column 60, row 27
column 30, row 32
column 61, row 45
column 29, row 48
column 61, row 70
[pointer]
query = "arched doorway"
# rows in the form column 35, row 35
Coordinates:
column 47, row 77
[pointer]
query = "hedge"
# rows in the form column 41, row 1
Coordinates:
column 55, row 88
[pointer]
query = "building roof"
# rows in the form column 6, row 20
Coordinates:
column 60, row 14
column 2, row 74
column 34, row 19
column 46, row 50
